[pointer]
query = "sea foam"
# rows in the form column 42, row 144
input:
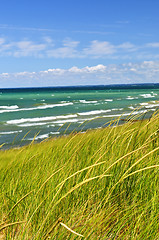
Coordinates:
column 39, row 119
column 39, row 137
column 41, row 107
column 95, row 112
column 11, row 132
column 9, row 107
column 85, row 102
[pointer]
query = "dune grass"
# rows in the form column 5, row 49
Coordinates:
column 102, row 184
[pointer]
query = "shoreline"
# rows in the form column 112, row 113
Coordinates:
column 45, row 112
column 74, row 133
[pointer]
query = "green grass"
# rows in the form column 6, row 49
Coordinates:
column 102, row 184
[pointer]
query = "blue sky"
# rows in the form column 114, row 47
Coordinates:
column 51, row 43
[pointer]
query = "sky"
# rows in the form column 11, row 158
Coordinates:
column 78, row 42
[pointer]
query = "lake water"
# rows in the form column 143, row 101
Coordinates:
column 40, row 113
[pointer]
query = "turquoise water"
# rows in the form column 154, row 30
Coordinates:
column 48, row 112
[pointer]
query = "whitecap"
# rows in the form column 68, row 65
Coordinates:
column 54, row 133
column 41, row 107
column 143, row 104
column 147, row 95
column 40, row 119
column 95, row 112
column 39, row 137
column 152, row 105
column 11, row 132
column 45, row 106
column 130, row 98
column 124, row 114
column 117, row 109
column 85, row 101
column 108, row 100
column 9, row 107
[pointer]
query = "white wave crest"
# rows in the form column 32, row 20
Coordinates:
column 93, row 112
column 85, row 102
column 40, row 119
column 54, row 133
column 130, row 98
column 39, row 137
column 152, row 105
column 11, row 132
column 131, row 107
column 9, row 107
column 45, row 106
column 143, row 104
column 147, row 95
column 125, row 114
column 117, row 109
column 108, row 100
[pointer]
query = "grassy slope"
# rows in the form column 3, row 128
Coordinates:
column 102, row 184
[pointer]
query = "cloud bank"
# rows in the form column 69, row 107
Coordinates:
column 144, row 72
column 68, row 48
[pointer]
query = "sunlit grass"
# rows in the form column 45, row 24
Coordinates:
column 102, row 184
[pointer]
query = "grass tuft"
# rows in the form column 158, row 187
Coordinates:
column 102, row 184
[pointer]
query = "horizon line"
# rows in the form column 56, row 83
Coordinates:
column 82, row 86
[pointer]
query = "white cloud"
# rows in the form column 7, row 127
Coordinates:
column 75, row 70
column 51, row 30
column 5, row 48
column 98, row 68
column 63, row 52
column 98, row 48
column 56, row 71
column 48, row 40
column 69, row 43
column 144, row 72
column 28, row 48
column 153, row 45
column 68, row 48
column 127, row 46
column 2, row 40
column 22, row 48
column 32, row 29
